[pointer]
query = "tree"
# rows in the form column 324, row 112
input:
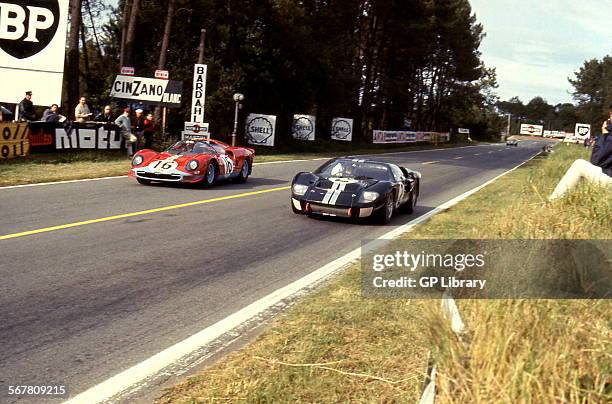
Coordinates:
column 72, row 63
column 593, row 90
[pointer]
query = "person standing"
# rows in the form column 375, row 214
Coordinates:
column 139, row 128
column 149, row 128
column 125, row 125
column 81, row 111
column 105, row 116
column 26, row 108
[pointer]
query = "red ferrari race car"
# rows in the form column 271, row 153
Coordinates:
column 199, row 160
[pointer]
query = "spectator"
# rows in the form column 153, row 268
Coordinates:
column 81, row 111
column 598, row 171
column 123, row 121
column 139, row 128
column 51, row 115
column 105, row 116
column 149, row 128
column 26, row 108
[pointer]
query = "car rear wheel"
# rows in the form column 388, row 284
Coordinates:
column 408, row 207
column 211, row 173
column 244, row 172
column 143, row 181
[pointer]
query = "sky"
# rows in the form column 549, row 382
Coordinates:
column 536, row 45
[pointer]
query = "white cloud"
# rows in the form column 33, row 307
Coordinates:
column 536, row 46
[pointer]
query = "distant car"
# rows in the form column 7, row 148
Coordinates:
column 571, row 139
column 355, row 188
column 199, row 160
column 512, row 142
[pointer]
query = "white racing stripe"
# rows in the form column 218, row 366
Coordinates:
column 330, row 192
column 134, row 378
column 336, row 194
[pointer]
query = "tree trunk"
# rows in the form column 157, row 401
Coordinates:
column 124, row 29
column 93, row 27
column 166, row 38
column 131, row 33
column 72, row 71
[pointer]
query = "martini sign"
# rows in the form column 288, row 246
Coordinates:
column 534, row 130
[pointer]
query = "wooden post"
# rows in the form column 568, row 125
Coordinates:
column 164, row 110
column 201, row 47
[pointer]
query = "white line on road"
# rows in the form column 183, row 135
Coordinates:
column 431, row 162
column 133, row 379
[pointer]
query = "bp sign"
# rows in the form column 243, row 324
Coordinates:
column 582, row 130
column 32, row 47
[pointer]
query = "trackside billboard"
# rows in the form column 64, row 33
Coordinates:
column 164, row 92
column 534, row 130
column 32, row 47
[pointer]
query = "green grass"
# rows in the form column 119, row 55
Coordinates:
column 335, row 346
column 74, row 165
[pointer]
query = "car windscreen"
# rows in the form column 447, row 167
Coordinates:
column 347, row 168
column 190, row 147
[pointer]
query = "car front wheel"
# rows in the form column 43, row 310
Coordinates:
column 209, row 177
column 386, row 212
column 244, row 172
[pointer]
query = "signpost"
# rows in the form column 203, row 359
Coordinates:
column 162, row 74
column 199, row 92
column 127, row 71
column 164, row 92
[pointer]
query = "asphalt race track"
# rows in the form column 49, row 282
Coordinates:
column 81, row 304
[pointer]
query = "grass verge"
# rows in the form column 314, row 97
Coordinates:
column 335, row 346
column 50, row 167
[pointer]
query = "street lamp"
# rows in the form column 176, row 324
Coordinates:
column 238, row 98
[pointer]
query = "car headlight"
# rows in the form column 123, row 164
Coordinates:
column 136, row 161
column 368, row 196
column 192, row 165
column 299, row 189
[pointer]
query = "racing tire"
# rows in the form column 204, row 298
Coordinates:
column 244, row 172
column 408, row 207
column 143, row 181
column 386, row 212
column 209, row 177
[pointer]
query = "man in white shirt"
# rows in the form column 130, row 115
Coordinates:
column 81, row 111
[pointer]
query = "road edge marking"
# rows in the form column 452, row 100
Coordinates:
column 140, row 372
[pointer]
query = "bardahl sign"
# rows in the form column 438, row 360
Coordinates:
column 260, row 129
column 32, row 47
column 164, row 92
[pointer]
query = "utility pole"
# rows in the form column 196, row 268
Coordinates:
column 508, row 127
column 201, row 47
